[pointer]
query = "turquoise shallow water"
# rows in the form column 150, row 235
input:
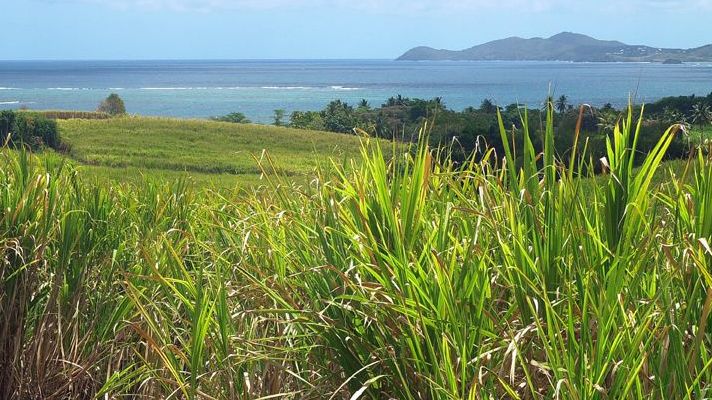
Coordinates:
column 256, row 88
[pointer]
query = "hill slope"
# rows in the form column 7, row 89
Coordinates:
column 565, row 46
column 125, row 148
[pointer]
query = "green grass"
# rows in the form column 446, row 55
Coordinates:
column 401, row 277
column 210, row 153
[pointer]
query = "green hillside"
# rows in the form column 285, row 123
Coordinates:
column 565, row 46
column 225, row 154
column 207, row 153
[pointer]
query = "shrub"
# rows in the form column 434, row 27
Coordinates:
column 112, row 105
column 7, row 119
column 307, row 120
column 29, row 129
column 279, row 117
column 236, row 118
column 35, row 130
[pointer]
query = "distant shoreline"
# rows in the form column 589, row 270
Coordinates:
column 565, row 46
column 330, row 60
column 205, row 88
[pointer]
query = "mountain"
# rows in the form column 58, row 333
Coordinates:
column 565, row 46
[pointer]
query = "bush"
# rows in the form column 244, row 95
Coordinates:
column 7, row 119
column 279, row 117
column 307, row 120
column 29, row 129
column 236, row 118
column 112, row 105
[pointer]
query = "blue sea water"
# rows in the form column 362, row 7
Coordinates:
column 256, row 88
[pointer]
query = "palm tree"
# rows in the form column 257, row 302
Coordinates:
column 488, row 106
column 399, row 100
column 701, row 115
column 363, row 104
column 562, row 104
column 607, row 121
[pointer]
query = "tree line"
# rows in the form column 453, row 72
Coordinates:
column 474, row 128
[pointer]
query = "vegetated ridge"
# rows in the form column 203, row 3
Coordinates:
column 565, row 46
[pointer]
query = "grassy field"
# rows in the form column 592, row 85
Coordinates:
column 210, row 153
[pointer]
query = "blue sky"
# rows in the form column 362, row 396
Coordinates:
column 222, row 29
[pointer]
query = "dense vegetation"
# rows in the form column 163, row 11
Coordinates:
column 476, row 128
column 408, row 277
column 29, row 129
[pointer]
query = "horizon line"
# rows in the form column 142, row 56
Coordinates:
column 198, row 59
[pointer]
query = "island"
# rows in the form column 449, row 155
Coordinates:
column 565, row 46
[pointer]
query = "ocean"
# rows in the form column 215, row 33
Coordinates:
column 256, row 88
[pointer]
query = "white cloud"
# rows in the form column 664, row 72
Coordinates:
column 375, row 6
column 400, row 6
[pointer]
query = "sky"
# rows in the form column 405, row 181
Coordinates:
column 326, row 29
